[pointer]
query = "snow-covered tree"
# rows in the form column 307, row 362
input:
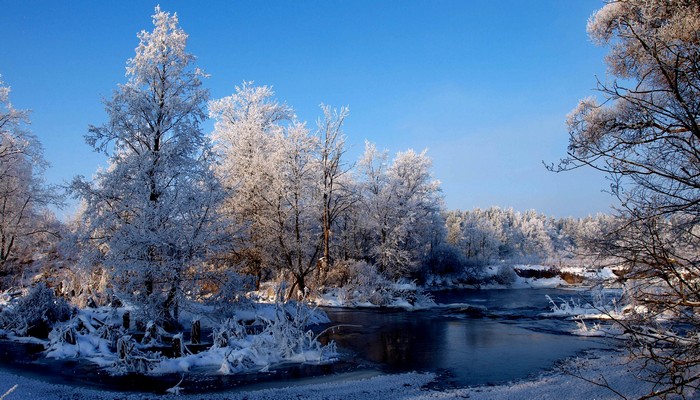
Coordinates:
column 403, row 202
column 152, row 211
column 536, row 238
column 296, row 221
column 271, row 166
column 353, row 239
column 24, row 199
column 505, row 234
column 246, row 135
column 474, row 234
column 336, row 195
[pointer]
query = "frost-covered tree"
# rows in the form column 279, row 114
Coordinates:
column 645, row 134
column 403, row 202
column 272, row 168
column 536, row 236
column 296, row 222
column 246, row 135
column 353, row 239
column 152, row 213
column 336, row 194
column 474, row 234
column 495, row 233
column 24, row 199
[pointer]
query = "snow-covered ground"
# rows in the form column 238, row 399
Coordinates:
column 496, row 276
column 590, row 276
column 556, row 384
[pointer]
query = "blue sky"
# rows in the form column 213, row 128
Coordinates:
column 484, row 85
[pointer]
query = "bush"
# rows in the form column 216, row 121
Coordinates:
column 339, row 274
column 505, row 275
column 474, row 271
column 36, row 313
column 363, row 283
column 445, row 261
column 537, row 273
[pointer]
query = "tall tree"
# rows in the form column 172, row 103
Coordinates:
column 152, row 212
column 246, row 136
column 645, row 135
column 24, row 199
column 403, row 204
column 297, row 226
column 336, row 197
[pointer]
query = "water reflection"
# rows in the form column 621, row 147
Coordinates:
column 468, row 350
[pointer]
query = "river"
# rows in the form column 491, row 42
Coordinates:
column 473, row 337
column 505, row 337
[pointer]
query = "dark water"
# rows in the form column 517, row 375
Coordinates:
column 503, row 337
column 520, row 302
column 507, row 339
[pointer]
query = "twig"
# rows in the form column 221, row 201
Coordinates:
column 12, row 389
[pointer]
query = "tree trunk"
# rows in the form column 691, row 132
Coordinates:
column 326, row 261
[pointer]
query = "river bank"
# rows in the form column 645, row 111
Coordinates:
column 557, row 383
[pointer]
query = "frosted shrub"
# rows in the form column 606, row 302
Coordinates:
column 35, row 313
column 64, row 334
column 583, row 329
column 505, row 275
column 110, row 333
column 230, row 330
column 364, row 275
column 365, row 285
column 340, row 273
column 237, row 361
column 446, row 261
column 423, row 297
column 288, row 333
column 379, row 296
column 153, row 335
column 474, row 272
column 564, row 307
column 131, row 359
column 284, row 337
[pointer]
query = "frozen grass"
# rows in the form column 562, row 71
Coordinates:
column 581, row 309
column 281, row 336
column 354, row 284
column 592, row 317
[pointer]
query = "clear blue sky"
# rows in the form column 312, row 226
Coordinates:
column 485, row 85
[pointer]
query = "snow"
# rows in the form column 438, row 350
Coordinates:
column 540, row 283
column 557, row 384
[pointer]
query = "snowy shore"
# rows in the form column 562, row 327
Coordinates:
column 556, row 384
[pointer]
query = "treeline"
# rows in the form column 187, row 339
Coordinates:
column 479, row 238
column 504, row 234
